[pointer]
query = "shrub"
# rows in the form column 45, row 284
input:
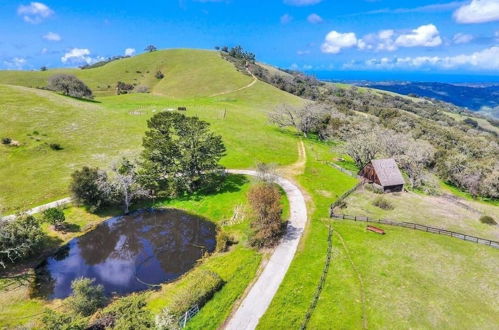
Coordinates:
column 55, row 146
column 87, row 187
column 487, row 219
column 224, row 240
column 58, row 321
column 265, row 200
column 382, row 203
column 54, row 216
column 123, row 88
column 159, row 75
column 19, row 239
column 166, row 320
column 87, row 297
column 201, row 286
column 127, row 313
column 6, row 140
column 69, row 85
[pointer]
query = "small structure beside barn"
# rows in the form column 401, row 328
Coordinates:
column 384, row 173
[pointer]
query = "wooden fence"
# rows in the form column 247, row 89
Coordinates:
column 338, row 167
column 416, row 226
column 322, row 280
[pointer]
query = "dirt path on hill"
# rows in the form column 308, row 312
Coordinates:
column 255, row 79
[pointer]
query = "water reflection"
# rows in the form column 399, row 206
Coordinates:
column 126, row 253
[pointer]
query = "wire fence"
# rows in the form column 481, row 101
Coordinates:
column 318, row 290
column 420, row 227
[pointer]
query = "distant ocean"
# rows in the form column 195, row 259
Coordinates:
column 403, row 76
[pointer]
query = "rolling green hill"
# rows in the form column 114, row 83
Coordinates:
column 385, row 280
column 188, row 73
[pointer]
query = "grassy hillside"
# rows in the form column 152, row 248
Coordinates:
column 96, row 133
column 188, row 73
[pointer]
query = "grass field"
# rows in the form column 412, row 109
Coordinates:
column 405, row 279
column 97, row 133
column 434, row 211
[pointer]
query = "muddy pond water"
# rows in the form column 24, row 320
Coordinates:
column 128, row 253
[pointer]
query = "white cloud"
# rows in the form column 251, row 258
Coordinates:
column 335, row 42
column 51, row 36
column 462, row 38
column 303, row 52
column 286, row 18
column 383, row 40
column 425, row 35
column 129, row 51
column 80, row 56
column 16, row 63
column 487, row 59
column 314, row 19
column 35, row 12
column 301, row 2
column 478, row 11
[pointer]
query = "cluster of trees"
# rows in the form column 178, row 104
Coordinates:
column 431, row 142
column 69, row 85
column 123, row 88
column 181, row 155
column 237, row 53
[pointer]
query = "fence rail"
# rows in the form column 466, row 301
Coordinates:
column 190, row 313
column 322, row 280
column 420, row 227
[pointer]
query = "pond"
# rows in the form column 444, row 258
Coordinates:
column 128, row 253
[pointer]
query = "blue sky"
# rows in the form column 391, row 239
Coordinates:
column 376, row 37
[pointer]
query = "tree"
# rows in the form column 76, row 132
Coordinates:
column 363, row 147
column 43, row 68
column 88, row 187
column 19, row 238
column 62, row 321
column 87, row 297
column 54, row 216
column 265, row 200
column 128, row 313
column 69, row 85
column 266, row 172
column 309, row 119
column 151, row 48
column 159, row 75
column 180, row 154
column 124, row 183
column 123, row 88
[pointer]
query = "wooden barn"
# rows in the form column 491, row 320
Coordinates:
column 385, row 173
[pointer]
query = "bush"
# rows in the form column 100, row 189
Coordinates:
column 55, row 146
column 201, row 286
column 166, row 320
column 382, row 203
column 69, row 85
column 54, row 216
column 159, row 75
column 19, row 239
column 58, row 321
column 127, row 313
column 87, row 297
column 87, row 187
column 6, row 140
column 123, row 88
column 265, row 200
column 487, row 219
column 224, row 240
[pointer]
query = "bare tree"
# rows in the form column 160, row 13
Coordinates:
column 123, row 183
column 363, row 147
column 266, row 172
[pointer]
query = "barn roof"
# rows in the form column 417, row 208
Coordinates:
column 388, row 172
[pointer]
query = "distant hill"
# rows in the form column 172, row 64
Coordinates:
column 473, row 97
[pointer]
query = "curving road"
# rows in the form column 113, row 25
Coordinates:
column 259, row 296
